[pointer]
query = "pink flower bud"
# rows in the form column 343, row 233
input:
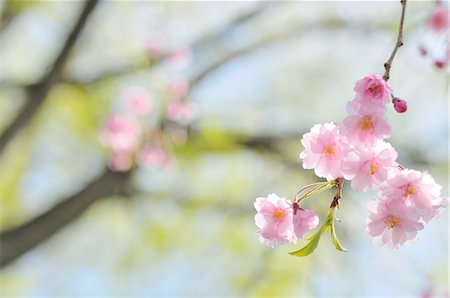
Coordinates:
column 440, row 64
column 400, row 105
column 423, row 51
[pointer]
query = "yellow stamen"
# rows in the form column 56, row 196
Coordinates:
column 374, row 169
column 329, row 151
column 279, row 213
column 391, row 221
column 366, row 123
column 410, row 190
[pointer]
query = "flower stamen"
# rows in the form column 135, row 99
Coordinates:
column 366, row 123
column 391, row 221
column 279, row 213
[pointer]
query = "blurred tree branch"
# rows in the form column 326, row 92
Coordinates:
column 202, row 43
column 37, row 93
column 19, row 240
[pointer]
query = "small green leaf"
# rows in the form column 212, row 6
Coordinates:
column 308, row 248
column 315, row 238
column 335, row 239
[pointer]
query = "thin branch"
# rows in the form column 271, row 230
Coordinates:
column 338, row 195
column 37, row 93
column 398, row 44
column 198, row 45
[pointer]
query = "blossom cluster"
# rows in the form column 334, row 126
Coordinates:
column 357, row 150
column 131, row 131
column 435, row 41
column 281, row 221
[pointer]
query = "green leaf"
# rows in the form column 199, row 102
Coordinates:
column 313, row 241
column 315, row 238
column 310, row 247
column 335, row 240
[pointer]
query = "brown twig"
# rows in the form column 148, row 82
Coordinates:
column 388, row 64
column 338, row 195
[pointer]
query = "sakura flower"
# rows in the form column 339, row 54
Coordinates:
column 155, row 45
column 121, row 133
column 274, row 219
column 438, row 20
column 182, row 112
column 138, row 101
column 324, row 151
column 372, row 90
column 365, row 128
column 368, row 168
column 414, row 189
column 392, row 223
column 121, row 162
column 181, row 58
column 435, row 42
column 179, row 88
column 152, row 156
column 304, row 220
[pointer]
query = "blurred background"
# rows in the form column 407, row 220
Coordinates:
column 230, row 87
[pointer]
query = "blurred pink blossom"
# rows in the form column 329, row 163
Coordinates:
column 181, row 111
column 181, row 58
column 179, row 88
column 138, row 100
column 438, row 19
column 152, row 156
column 155, row 45
column 435, row 40
column 121, row 133
column 121, row 162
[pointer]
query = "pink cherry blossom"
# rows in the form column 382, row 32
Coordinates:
column 152, row 156
column 372, row 90
column 181, row 58
column 138, row 101
column 365, row 128
column 274, row 218
column 414, row 189
column 304, row 220
column 369, row 167
column 155, row 45
column 179, row 88
column 324, row 151
column 181, row 111
column 434, row 43
column 392, row 223
column 121, row 162
column 121, row 133
column 438, row 20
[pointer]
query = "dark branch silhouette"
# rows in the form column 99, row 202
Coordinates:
column 37, row 93
column 18, row 241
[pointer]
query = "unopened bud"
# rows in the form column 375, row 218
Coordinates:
column 400, row 105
